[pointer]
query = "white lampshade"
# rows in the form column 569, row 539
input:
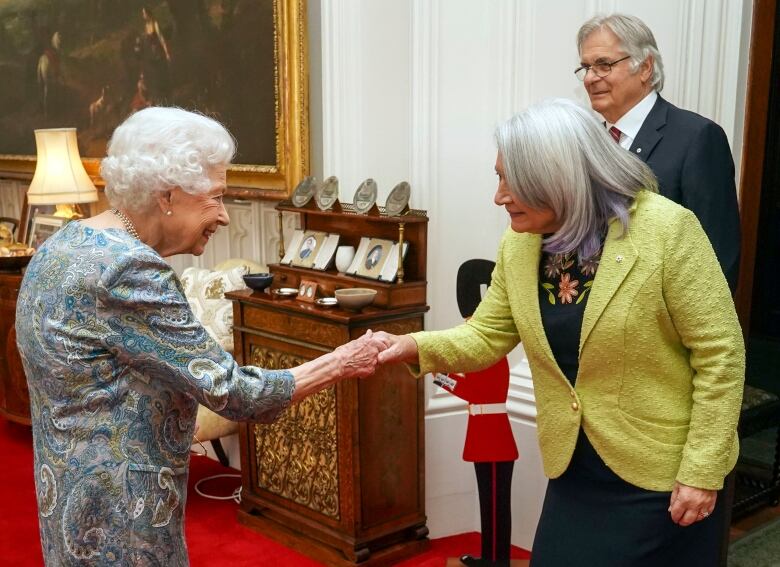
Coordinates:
column 59, row 177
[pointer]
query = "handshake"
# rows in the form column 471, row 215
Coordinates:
column 361, row 357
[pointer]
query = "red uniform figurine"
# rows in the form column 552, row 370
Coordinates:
column 490, row 444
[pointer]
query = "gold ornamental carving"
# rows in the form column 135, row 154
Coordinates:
column 297, row 455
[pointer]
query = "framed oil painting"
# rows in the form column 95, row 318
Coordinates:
column 90, row 63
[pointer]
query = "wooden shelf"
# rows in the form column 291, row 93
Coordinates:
column 352, row 226
column 388, row 295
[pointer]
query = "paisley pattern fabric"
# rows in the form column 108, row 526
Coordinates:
column 116, row 365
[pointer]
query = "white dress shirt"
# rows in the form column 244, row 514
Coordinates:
column 630, row 123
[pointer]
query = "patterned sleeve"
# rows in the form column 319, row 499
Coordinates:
column 154, row 333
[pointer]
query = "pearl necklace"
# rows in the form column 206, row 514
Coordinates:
column 129, row 227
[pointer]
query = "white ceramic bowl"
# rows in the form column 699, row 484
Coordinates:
column 355, row 297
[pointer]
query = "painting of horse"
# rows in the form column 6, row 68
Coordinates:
column 90, row 63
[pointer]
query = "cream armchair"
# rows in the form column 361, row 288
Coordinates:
column 205, row 291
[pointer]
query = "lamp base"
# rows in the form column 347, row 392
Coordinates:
column 68, row 212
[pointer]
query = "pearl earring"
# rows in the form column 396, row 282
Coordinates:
column 169, row 213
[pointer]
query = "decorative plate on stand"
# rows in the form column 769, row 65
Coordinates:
column 365, row 196
column 398, row 199
column 304, row 191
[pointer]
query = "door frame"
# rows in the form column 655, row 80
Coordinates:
column 754, row 149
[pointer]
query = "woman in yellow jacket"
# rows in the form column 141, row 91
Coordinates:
column 632, row 338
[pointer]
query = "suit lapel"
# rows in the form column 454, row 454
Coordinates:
column 526, row 276
column 651, row 131
column 617, row 259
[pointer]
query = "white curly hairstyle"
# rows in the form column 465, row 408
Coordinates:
column 159, row 148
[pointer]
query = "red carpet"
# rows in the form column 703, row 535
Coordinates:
column 214, row 536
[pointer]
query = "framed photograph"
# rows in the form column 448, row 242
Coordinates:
column 29, row 212
column 43, row 226
column 376, row 254
column 90, row 64
column 307, row 291
column 306, row 252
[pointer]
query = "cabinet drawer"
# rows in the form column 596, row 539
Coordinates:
column 300, row 328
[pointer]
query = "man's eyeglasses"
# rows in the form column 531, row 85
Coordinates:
column 601, row 69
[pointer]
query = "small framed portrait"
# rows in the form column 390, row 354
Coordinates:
column 376, row 253
column 308, row 248
column 41, row 228
column 307, row 291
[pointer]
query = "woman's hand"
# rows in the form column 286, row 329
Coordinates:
column 398, row 348
column 355, row 359
column 358, row 358
column 689, row 505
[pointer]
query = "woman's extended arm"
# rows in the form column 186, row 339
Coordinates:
column 152, row 331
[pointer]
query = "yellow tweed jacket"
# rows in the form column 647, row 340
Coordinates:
column 662, row 358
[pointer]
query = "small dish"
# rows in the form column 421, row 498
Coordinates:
column 327, row 302
column 285, row 291
column 355, row 298
column 258, row 281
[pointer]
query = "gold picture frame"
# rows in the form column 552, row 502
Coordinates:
column 277, row 29
column 308, row 248
column 373, row 260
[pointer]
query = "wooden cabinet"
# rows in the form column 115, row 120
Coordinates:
column 340, row 476
column 14, row 398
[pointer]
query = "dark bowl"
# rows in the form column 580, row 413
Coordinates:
column 258, row 281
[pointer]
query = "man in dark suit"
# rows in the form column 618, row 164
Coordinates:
column 622, row 71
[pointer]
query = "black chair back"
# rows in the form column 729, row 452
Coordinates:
column 471, row 275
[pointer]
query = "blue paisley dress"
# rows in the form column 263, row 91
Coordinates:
column 116, row 366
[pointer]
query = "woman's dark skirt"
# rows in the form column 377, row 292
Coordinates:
column 593, row 518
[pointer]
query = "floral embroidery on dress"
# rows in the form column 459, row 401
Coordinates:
column 561, row 270
column 567, row 288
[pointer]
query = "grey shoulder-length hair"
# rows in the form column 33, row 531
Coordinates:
column 636, row 39
column 556, row 155
column 159, row 148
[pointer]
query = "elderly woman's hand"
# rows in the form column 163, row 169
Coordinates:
column 689, row 504
column 358, row 358
column 355, row 359
column 398, row 348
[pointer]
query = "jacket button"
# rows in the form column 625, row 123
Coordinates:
column 571, row 393
column 575, row 406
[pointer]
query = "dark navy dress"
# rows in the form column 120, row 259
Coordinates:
column 591, row 517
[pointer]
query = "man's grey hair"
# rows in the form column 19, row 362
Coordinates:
column 159, row 148
column 556, row 155
column 636, row 40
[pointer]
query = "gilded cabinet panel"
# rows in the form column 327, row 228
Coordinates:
column 297, row 455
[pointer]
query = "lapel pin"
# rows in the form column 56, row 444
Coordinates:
column 618, row 258
column 639, row 150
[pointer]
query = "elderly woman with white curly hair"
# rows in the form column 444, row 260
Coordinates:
column 632, row 338
column 116, row 363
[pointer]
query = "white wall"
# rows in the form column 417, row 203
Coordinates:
column 413, row 89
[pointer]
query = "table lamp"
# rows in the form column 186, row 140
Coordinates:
column 60, row 178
